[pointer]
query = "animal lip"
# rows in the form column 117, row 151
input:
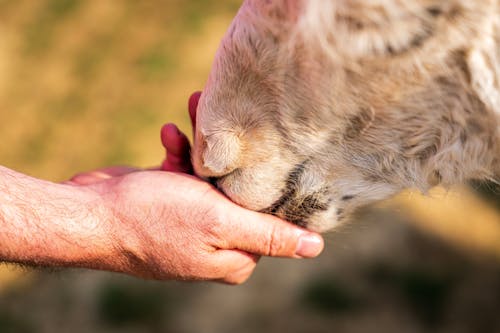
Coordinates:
column 216, row 180
column 289, row 191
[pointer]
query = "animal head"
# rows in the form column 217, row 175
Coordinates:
column 314, row 108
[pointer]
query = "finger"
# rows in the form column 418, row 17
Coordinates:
column 176, row 165
column 116, row 171
column 177, row 149
column 175, row 142
column 99, row 175
column 238, row 265
column 267, row 235
column 193, row 106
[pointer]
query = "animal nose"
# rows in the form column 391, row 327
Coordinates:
column 214, row 157
column 201, row 170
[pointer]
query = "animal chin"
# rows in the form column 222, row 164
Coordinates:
column 299, row 203
column 294, row 216
column 298, row 209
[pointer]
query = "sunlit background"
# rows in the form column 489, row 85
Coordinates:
column 85, row 84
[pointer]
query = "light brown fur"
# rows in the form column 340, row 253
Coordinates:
column 316, row 107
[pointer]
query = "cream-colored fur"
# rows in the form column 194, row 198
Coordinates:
column 316, row 107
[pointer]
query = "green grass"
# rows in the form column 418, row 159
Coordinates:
column 93, row 81
column 39, row 33
column 129, row 121
column 157, row 62
column 89, row 60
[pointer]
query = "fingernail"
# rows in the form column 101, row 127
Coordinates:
column 309, row 246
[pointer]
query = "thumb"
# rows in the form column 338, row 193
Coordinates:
column 267, row 235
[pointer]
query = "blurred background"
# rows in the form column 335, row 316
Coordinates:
column 84, row 84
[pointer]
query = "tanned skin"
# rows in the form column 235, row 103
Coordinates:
column 147, row 223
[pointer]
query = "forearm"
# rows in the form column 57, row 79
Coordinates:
column 48, row 224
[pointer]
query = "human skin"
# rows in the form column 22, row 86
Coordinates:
column 156, row 224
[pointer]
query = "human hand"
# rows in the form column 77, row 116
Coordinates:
column 190, row 231
column 176, row 144
column 174, row 226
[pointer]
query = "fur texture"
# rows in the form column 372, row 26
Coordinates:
column 313, row 108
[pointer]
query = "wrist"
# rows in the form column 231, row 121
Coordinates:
column 120, row 248
column 49, row 224
column 72, row 224
column 88, row 239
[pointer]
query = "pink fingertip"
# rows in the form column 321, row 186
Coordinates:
column 310, row 245
column 168, row 131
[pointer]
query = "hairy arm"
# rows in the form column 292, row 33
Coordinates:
column 150, row 224
column 48, row 224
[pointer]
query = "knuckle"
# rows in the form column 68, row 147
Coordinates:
column 275, row 244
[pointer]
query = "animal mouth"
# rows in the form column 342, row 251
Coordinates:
column 216, row 181
column 297, row 210
column 294, row 206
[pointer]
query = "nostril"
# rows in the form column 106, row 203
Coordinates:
column 216, row 154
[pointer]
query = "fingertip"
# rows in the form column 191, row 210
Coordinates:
column 165, row 134
column 310, row 245
column 269, row 235
column 174, row 141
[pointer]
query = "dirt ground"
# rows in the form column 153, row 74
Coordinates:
column 89, row 83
